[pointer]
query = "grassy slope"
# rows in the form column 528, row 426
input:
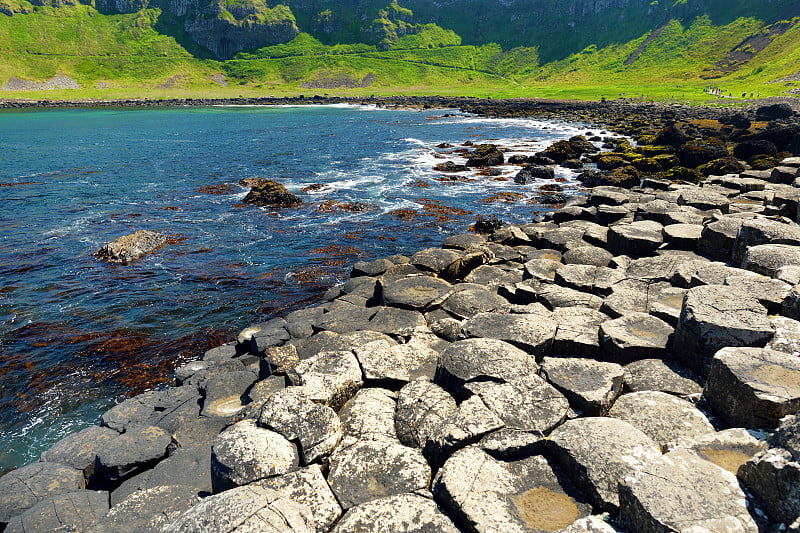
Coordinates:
column 123, row 56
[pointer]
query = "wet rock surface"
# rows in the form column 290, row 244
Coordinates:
column 515, row 381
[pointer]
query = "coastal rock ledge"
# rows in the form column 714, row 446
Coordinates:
column 131, row 247
column 585, row 373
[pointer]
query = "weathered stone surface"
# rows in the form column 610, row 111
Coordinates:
column 533, row 331
column 78, row 450
column 397, row 362
column 591, row 524
column 395, row 321
column 244, row 510
column 466, row 425
column 259, row 337
column 147, row 510
column 371, row 268
column 703, row 199
column 588, row 255
column 578, row 331
column 510, row 444
column 308, row 488
column 663, row 417
column 492, row 276
column 715, row 317
column 634, row 336
column 244, row 453
column 661, row 375
column 434, row 259
column 421, row 407
column 414, row 292
column 472, row 359
column 330, row 377
column 464, row 241
column 314, row 427
column 728, row 449
column 368, row 470
column 774, row 479
column 346, row 318
column 769, row 259
column 24, row 487
column 542, row 269
column 401, row 513
column 224, row 392
column 562, row 238
column 468, row 303
column 517, row 496
column 79, row 510
column 527, row 403
column 769, row 292
column 787, row 436
column 635, row 239
column 682, row 236
column 589, row 278
column 753, row 387
column 131, row 247
column 167, row 409
column 590, row 386
column 188, row 466
column 598, row 453
column 137, row 449
column 555, row 297
column 682, row 492
column 369, row 415
column 763, row 231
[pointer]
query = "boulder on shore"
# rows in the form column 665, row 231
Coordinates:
column 131, row 247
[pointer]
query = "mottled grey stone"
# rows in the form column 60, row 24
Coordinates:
column 635, row 239
column 78, row 510
column 634, row 336
column 300, row 324
column 369, row 415
column 368, row 470
column 728, row 449
column 135, row 450
column 527, row 403
column 590, row 386
column 259, row 337
column 589, row 278
column 401, row 513
column 167, row 409
column 492, row 276
column 415, row 292
column 249, row 509
column 718, row 236
column 599, row 453
column 516, row 496
column 472, row 359
column 769, row 292
column 761, row 231
column 542, row 269
column 578, row 331
column 468, row 303
column 421, row 407
column 787, row 436
column 588, row 255
column 769, row 259
column 703, row 199
column 434, row 259
column 244, row 453
column 533, row 331
column 661, row 375
column 464, row 241
column 78, row 450
column 346, row 318
column 554, row 297
column 308, row 488
column 682, row 236
column 715, row 317
column 396, row 362
column 314, row 427
column 753, row 387
column 774, row 479
column 682, row 492
column 224, row 392
column 395, row 321
column 330, row 377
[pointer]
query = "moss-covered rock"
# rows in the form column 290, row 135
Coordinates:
column 271, row 193
column 722, row 166
column 610, row 161
column 697, row 153
column 684, row 174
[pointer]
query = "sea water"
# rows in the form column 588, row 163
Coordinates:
column 78, row 335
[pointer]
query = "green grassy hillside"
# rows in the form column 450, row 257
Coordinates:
column 149, row 54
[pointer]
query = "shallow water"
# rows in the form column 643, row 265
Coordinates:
column 77, row 335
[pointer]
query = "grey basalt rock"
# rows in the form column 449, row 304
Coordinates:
column 244, row 453
column 468, row 303
column 78, row 450
column 516, row 496
column 787, row 436
column 435, row 259
column 533, row 331
column 543, row 270
column 753, row 387
column 244, row 510
column 79, row 510
column 464, row 241
column 131, row 247
column 396, row 362
column 578, row 331
column 728, row 449
column 135, row 450
column 589, row 278
column 718, row 236
column 682, row 492
column 715, row 317
column 588, row 255
column 482, row 358
column 346, row 319
column 527, row 403
column 414, row 292
column 395, row 321
column 774, row 478
column 167, row 409
column 492, row 276
column 421, row 407
column 769, row 259
column 761, row 231
column 598, row 453
column 314, row 427
column 703, row 199
column 368, row 470
column 634, row 336
column 635, row 239
column 661, row 375
column 24, row 487
column 554, row 297
column 682, row 236
column 223, row 393
column 331, row 378
column 769, row 292
column 146, row 510
column 259, row 337
column 308, row 488
column 369, row 415
column 661, row 416
column 401, row 513
column 590, row 386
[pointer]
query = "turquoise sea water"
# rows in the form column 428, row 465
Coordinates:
column 77, row 335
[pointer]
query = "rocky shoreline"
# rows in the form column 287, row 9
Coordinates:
column 630, row 363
